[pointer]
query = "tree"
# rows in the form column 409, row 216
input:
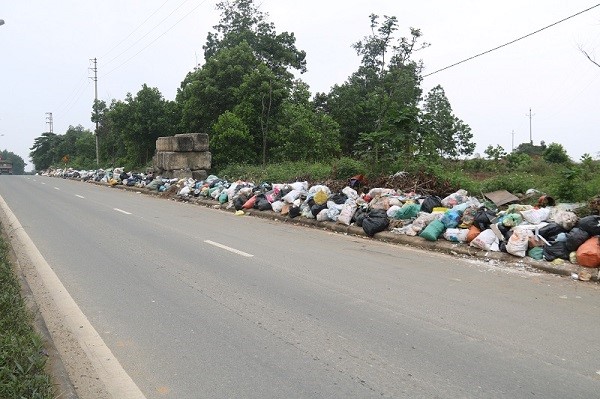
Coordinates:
column 18, row 164
column 555, row 153
column 43, row 152
column 241, row 21
column 231, row 141
column 449, row 136
column 495, row 153
column 376, row 107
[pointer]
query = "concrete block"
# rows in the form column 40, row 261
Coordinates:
column 182, row 160
column 188, row 142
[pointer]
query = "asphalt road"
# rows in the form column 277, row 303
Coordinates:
column 199, row 303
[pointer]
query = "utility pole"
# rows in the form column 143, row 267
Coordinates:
column 95, row 79
column 50, row 122
column 530, row 115
column 513, row 140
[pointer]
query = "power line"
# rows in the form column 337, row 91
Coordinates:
column 135, row 30
column 513, row 41
column 147, row 33
column 152, row 42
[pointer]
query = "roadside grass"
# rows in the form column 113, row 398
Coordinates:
column 22, row 373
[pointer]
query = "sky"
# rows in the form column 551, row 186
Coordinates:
column 46, row 47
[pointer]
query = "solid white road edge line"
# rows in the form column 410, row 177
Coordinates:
column 122, row 211
column 116, row 380
column 79, row 196
column 226, row 248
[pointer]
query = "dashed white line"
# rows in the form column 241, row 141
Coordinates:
column 226, row 248
column 79, row 196
column 56, row 188
column 43, row 183
column 122, row 211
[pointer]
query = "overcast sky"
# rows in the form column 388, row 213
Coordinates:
column 45, row 48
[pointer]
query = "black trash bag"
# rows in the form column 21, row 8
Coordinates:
column 265, row 186
column 315, row 209
column 483, row 218
column 558, row 250
column 502, row 246
column 551, row 230
column 575, row 238
column 239, row 201
column 359, row 216
column 215, row 183
column 590, row 224
column 123, row 176
column 505, row 231
column 294, row 212
column 430, row 202
column 377, row 220
column 262, row 203
column 339, row 198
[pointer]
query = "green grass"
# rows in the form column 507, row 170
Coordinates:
column 22, row 362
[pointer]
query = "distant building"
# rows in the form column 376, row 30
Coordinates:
column 6, row 167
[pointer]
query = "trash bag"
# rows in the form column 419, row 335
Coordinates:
column 575, row 238
column 588, row 254
column 451, row 219
column 408, row 211
column 486, row 240
column 375, row 221
column 474, row 231
column 566, row 219
column 222, row 197
column 347, row 213
column 320, row 197
column 550, row 231
column 262, row 204
column 557, row 250
column 518, row 242
column 456, row 198
column 277, row 206
column 483, row 218
column 359, row 216
column 294, row 212
column 322, row 215
column 391, row 212
column 316, row 209
column 590, row 224
column 250, row 203
column 239, row 201
column 339, row 198
column 456, row 235
column 536, row 253
column 468, row 217
column 512, row 220
column 433, row 231
column 430, row 202
column 536, row 216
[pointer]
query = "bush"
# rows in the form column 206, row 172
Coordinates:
column 277, row 173
column 514, row 183
column 345, row 168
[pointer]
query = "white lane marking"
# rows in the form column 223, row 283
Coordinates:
column 79, row 196
column 56, row 188
column 116, row 380
column 43, row 183
column 122, row 211
column 226, row 248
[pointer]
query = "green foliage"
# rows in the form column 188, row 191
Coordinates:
column 495, row 153
column 345, row 168
column 278, row 173
column 520, row 162
column 513, row 182
column 21, row 360
column 231, row 142
column 555, row 153
column 17, row 162
column 531, row 149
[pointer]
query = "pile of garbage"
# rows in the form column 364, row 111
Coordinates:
column 496, row 222
column 548, row 231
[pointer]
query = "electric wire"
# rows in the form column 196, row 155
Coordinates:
column 135, row 30
column 153, row 41
column 511, row 42
column 147, row 33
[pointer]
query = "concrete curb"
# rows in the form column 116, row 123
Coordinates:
column 443, row 246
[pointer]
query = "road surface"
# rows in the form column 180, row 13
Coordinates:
column 199, row 303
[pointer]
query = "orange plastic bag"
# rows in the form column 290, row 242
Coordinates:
column 473, row 233
column 588, row 254
column 250, row 203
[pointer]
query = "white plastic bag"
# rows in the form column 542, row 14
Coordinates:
column 518, row 242
column 536, row 216
column 456, row 235
column 486, row 240
column 348, row 210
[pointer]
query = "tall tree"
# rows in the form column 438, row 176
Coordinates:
column 443, row 133
column 43, row 152
column 18, row 164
